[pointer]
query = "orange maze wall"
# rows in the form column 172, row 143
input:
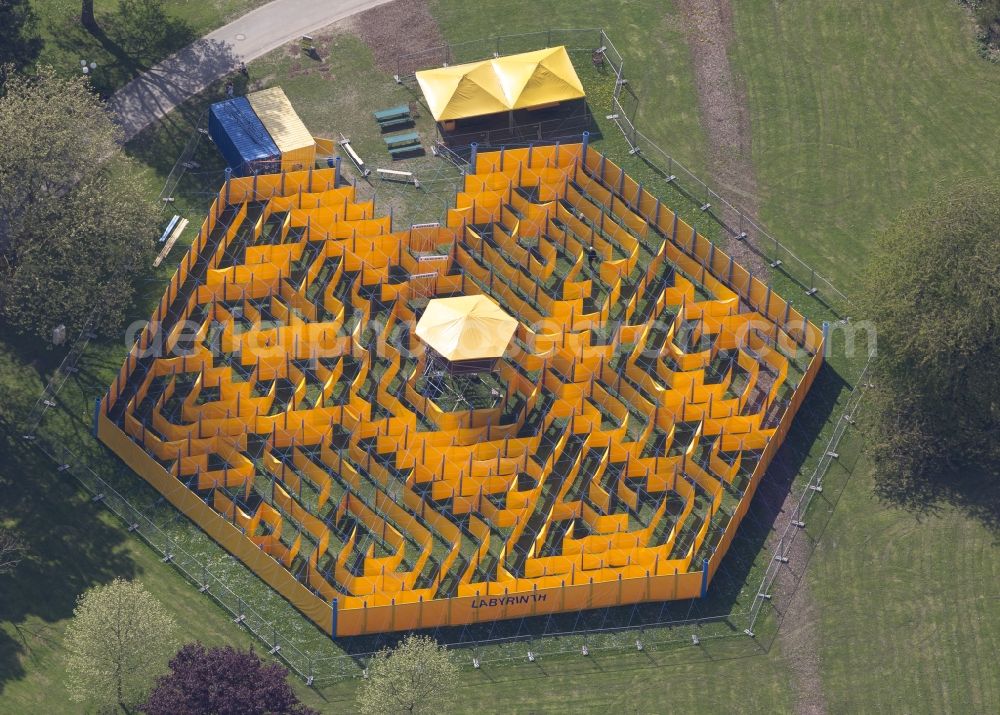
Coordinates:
column 274, row 397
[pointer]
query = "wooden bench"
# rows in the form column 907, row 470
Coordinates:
column 400, row 151
column 170, row 228
column 396, row 140
column 405, row 177
column 353, row 155
column 401, row 121
column 175, row 229
column 392, row 114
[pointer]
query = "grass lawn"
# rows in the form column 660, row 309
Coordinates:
column 857, row 110
column 645, row 32
column 872, row 107
column 851, row 121
column 126, row 43
column 908, row 608
column 74, row 544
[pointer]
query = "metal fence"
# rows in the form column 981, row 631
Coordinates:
column 516, row 647
column 528, row 646
column 797, row 519
column 740, row 226
column 574, row 39
column 193, row 569
column 66, row 368
column 182, row 164
column 731, row 218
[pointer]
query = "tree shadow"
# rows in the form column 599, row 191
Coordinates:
column 146, row 33
column 32, row 353
column 19, row 43
column 973, row 489
column 70, row 548
column 168, row 85
column 124, row 43
column 160, row 144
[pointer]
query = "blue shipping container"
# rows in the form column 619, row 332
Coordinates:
column 242, row 138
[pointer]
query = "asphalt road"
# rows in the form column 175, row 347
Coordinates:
column 187, row 72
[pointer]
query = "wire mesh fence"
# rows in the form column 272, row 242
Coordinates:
column 66, row 368
column 574, row 39
column 536, row 642
column 596, row 42
column 543, row 639
column 796, row 521
column 195, row 570
column 182, row 164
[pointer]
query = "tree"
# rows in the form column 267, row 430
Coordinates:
column 118, row 640
column 223, row 681
column 931, row 290
column 87, row 18
column 19, row 43
column 75, row 227
column 12, row 550
column 988, row 16
column 418, row 676
column 145, row 32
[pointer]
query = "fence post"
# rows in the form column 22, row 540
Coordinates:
column 777, row 248
column 97, row 413
column 812, row 282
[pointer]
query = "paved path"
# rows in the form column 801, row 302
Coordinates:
column 187, row 72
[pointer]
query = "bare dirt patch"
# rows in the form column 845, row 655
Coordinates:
column 798, row 637
column 396, row 30
column 725, row 115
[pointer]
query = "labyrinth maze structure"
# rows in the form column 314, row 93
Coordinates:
column 280, row 398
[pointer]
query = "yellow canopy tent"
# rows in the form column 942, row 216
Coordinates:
column 530, row 79
column 468, row 327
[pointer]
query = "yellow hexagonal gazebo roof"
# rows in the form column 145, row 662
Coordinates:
column 468, row 327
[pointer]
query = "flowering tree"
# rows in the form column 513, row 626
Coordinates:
column 118, row 640
column 418, row 676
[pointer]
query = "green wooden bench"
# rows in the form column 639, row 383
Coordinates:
column 396, row 140
column 393, row 114
column 399, row 151
column 395, row 123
